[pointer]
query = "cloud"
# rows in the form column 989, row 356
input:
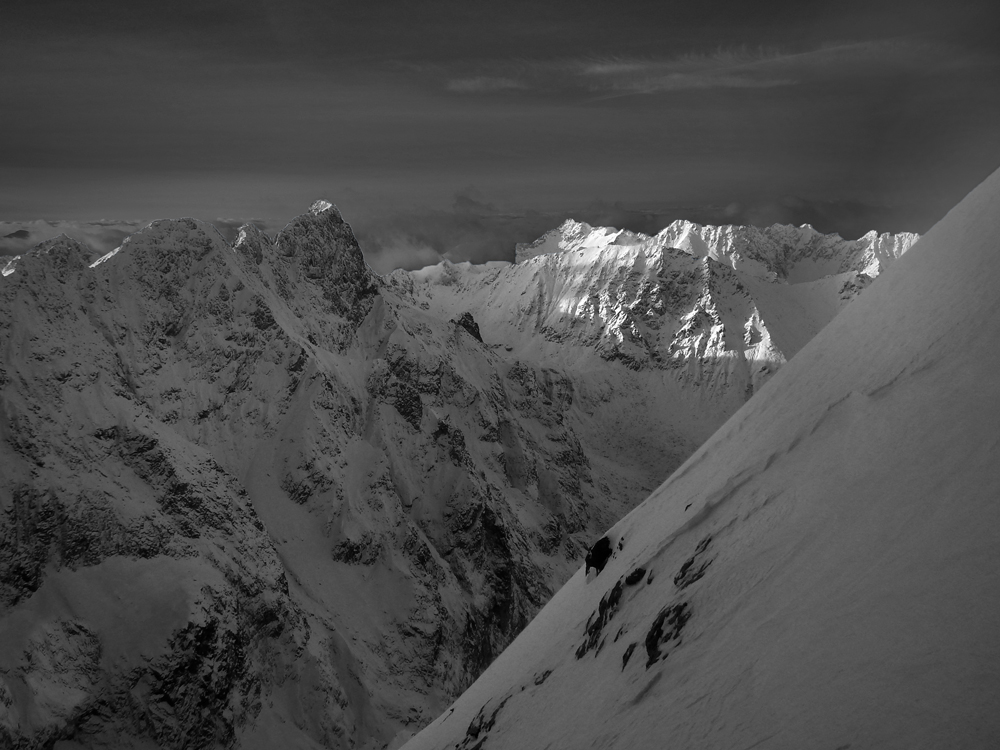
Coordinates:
column 397, row 249
column 473, row 229
column 768, row 67
column 849, row 218
column 484, row 84
column 737, row 68
column 724, row 68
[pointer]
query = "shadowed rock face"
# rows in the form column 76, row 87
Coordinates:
column 323, row 247
column 255, row 494
column 467, row 322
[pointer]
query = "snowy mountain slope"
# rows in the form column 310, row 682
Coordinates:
column 794, row 254
column 699, row 316
column 262, row 363
column 143, row 600
column 255, row 495
column 821, row 573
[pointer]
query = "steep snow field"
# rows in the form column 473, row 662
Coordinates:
column 823, row 572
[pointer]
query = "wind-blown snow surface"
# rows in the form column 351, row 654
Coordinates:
column 823, row 572
column 255, row 495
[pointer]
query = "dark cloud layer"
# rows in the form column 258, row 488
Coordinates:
column 850, row 116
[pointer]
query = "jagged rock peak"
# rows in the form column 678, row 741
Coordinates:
column 571, row 235
column 326, row 251
column 321, row 206
column 170, row 246
column 321, row 234
column 322, row 223
column 250, row 243
column 770, row 253
column 250, row 232
column 469, row 323
column 63, row 254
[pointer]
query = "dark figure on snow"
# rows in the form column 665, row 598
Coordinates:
column 598, row 556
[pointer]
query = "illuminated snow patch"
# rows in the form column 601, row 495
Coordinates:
column 105, row 257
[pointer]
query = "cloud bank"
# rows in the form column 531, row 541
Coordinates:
column 732, row 68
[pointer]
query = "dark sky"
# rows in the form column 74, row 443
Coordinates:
column 462, row 127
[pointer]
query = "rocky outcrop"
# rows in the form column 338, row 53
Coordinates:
column 467, row 322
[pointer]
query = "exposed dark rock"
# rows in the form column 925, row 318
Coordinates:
column 406, row 400
column 480, row 725
column 539, row 679
column 666, row 627
column 306, row 481
column 628, row 654
column 262, row 317
column 469, row 323
column 325, row 249
column 42, row 528
column 694, row 567
column 512, row 587
column 599, row 555
column 516, row 466
column 364, row 551
column 457, row 451
column 598, row 619
column 635, row 576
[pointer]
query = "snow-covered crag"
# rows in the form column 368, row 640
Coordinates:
column 734, row 283
column 256, row 495
column 822, row 572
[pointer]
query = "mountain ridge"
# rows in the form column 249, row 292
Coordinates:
column 269, row 431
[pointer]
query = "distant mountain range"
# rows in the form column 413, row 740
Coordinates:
column 256, row 495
